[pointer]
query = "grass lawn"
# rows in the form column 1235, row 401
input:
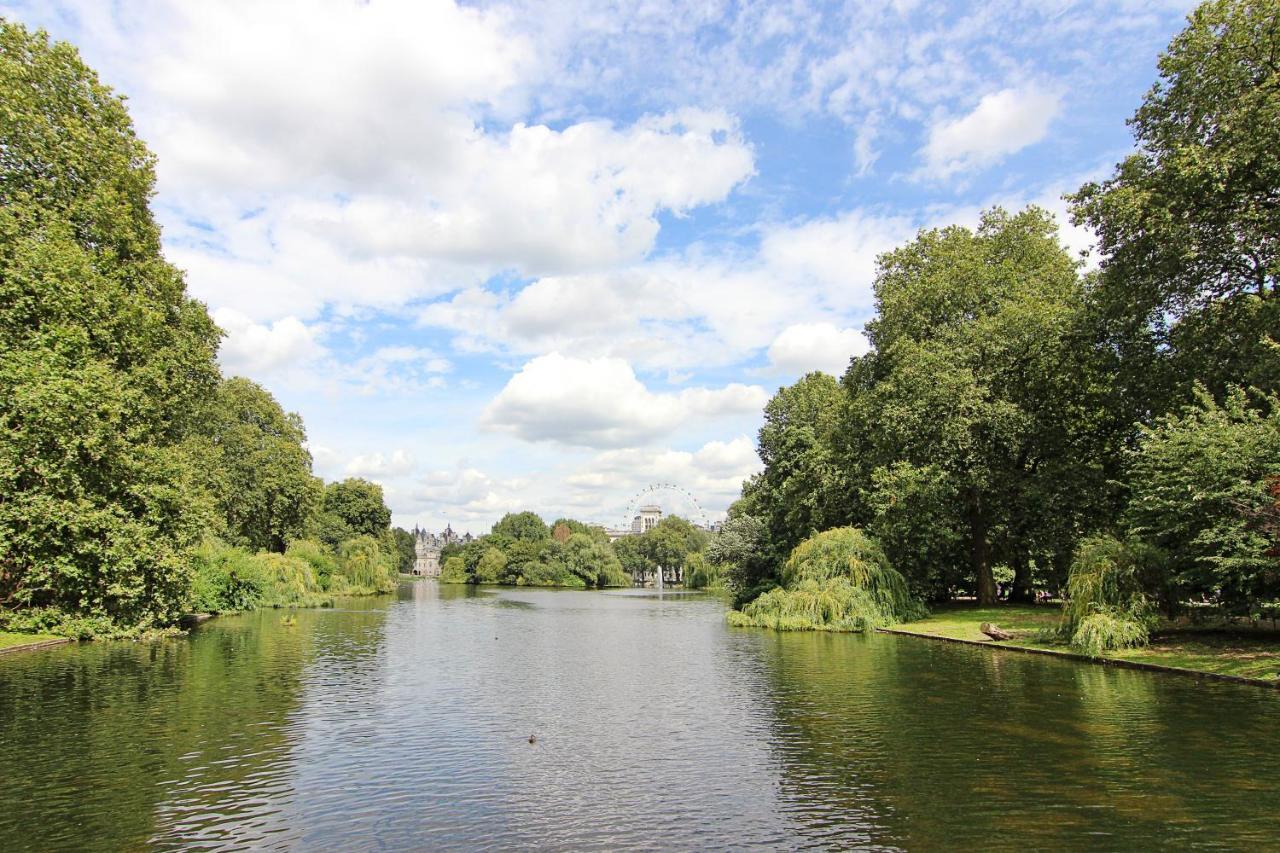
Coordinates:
column 1249, row 654
column 961, row 621
column 8, row 639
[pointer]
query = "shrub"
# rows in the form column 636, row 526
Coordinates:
column 289, row 581
column 364, row 567
column 700, row 574
column 1107, row 604
column 454, row 570
column 838, row 580
column 227, row 579
column 316, row 554
column 834, row 604
column 1106, row 630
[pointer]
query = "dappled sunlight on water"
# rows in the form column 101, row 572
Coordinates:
column 405, row 722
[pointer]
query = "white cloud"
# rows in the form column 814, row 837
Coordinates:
column 259, row 349
column 816, row 346
column 600, row 403
column 1002, row 123
column 264, row 95
column 398, row 463
column 713, row 474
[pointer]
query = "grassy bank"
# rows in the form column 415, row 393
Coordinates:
column 1240, row 652
column 10, row 639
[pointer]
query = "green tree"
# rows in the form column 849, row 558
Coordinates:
column 491, row 568
column 352, row 507
column 739, row 551
column 802, row 488
column 1203, row 490
column 981, row 376
column 104, row 359
column 1189, row 226
column 522, row 527
column 631, row 557
column 593, row 561
column 259, row 466
column 406, row 548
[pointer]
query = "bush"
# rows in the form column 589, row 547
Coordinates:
column 838, row 580
column 364, row 568
column 227, row 579
column 1107, row 599
column 834, row 604
column 316, row 554
column 454, row 570
column 230, row 579
column 289, row 581
column 700, row 574
column 1107, row 630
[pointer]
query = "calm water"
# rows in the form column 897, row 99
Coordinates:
column 403, row 723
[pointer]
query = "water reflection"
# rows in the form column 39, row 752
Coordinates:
column 404, row 723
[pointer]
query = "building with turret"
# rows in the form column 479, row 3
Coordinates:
column 427, row 548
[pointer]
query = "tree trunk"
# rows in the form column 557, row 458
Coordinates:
column 980, row 552
column 1021, row 578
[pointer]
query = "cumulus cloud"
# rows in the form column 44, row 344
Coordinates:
column 713, row 474
column 600, row 403
column 398, row 463
column 1002, row 123
column 816, row 346
column 261, row 349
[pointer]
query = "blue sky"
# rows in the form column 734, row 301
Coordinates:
column 538, row 255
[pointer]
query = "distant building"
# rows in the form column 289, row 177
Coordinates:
column 427, row 548
column 649, row 516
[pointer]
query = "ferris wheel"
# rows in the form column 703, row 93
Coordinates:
column 674, row 500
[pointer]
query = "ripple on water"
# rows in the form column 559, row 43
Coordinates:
column 404, row 724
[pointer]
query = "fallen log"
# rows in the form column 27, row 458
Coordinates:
column 994, row 632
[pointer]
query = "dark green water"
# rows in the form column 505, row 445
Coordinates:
column 403, row 723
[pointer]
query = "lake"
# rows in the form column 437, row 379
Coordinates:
column 404, row 722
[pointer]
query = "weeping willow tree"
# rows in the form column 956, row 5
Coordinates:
column 1107, row 605
column 839, row 580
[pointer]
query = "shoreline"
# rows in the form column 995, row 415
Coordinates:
column 1120, row 663
column 37, row 644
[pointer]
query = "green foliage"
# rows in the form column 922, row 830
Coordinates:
column 739, row 553
column 833, row 604
column 259, row 467
column 1108, row 595
column 522, row 527
column 802, row 488
column 912, row 518
column 594, row 562
column 352, row 507
column 1188, row 226
column 406, row 549
column 1108, row 630
column 1202, row 490
column 838, row 580
column 491, row 567
column 566, row 527
column 454, row 570
column 700, row 573
column 104, row 360
column 364, row 567
column 319, row 556
column 847, row 552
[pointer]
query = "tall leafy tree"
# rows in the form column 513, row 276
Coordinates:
column 981, row 387
column 1204, row 492
column 802, row 488
column 353, row 507
column 260, row 466
column 104, row 359
column 1189, row 225
column 522, row 527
